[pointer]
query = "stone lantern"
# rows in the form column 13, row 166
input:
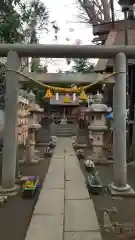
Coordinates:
column 33, row 127
column 97, row 112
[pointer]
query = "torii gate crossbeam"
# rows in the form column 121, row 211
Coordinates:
column 66, row 51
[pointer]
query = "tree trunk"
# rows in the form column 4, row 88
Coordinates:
column 106, row 9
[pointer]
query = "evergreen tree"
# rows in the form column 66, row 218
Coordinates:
column 10, row 22
column 21, row 22
column 82, row 65
column 36, row 17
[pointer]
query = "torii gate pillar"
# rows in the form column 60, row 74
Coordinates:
column 120, row 186
column 10, row 122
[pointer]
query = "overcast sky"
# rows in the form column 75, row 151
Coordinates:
column 65, row 13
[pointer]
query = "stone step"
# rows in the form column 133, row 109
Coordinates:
column 63, row 130
column 63, row 127
column 64, row 134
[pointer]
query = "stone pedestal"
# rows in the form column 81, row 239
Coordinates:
column 43, row 136
column 81, row 137
column 31, row 152
column 98, row 155
column 81, row 140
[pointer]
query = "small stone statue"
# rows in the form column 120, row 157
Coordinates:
column 31, row 97
column 63, row 121
column 48, row 152
column 90, row 165
column 80, row 153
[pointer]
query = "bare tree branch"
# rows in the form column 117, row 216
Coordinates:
column 96, row 11
column 106, row 8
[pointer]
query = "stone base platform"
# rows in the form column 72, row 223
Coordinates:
column 100, row 161
column 128, row 193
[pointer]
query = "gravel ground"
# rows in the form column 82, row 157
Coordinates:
column 125, row 206
column 16, row 214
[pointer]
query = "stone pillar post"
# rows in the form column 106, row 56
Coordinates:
column 82, row 131
column 31, row 151
column 43, row 136
column 10, row 122
column 120, row 186
column 18, row 174
column 47, row 125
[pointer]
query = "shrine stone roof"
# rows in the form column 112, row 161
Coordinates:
column 116, row 38
column 120, row 40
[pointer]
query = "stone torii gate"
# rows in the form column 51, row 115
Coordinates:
column 13, row 52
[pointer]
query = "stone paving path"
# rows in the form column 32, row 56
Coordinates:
column 64, row 210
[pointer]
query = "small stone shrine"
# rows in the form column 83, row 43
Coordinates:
column 97, row 127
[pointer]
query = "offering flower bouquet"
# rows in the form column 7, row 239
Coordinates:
column 31, row 185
